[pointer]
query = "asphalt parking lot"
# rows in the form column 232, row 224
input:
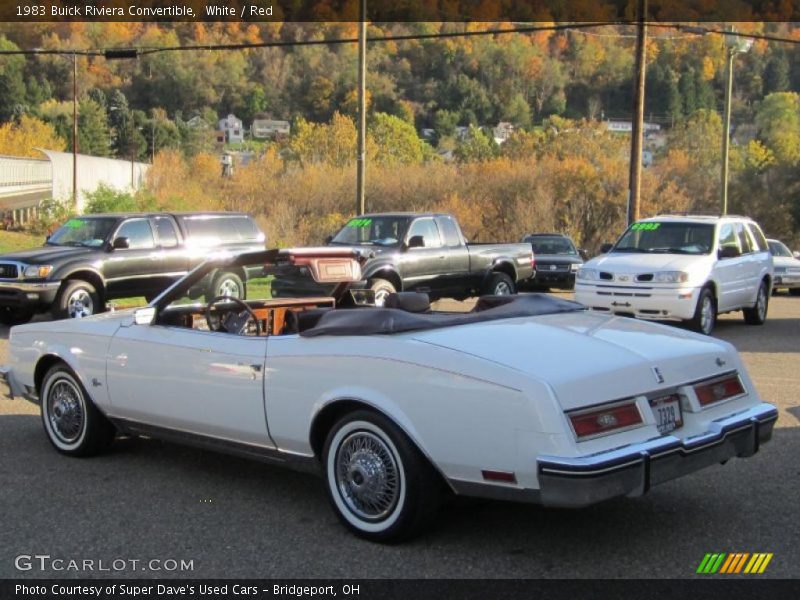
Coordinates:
column 235, row 518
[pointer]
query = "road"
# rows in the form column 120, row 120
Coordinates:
column 234, row 518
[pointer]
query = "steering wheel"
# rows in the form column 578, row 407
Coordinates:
column 232, row 321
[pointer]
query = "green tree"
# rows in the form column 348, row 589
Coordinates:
column 518, row 111
column 776, row 73
column 93, row 134
column 12, row 82
column 396, row 141
column 778, row 122
column 476, row 146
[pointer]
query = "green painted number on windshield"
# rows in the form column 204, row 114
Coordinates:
column 359, row 223
column 74, row 224
column 645, row 226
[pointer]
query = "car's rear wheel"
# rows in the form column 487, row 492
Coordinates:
column 76, row 299
column 14, row 316
column 758, row 313
column 380, row 485
column 73, row 424
column 705, row 314
column 499, row 284
column 382, row 289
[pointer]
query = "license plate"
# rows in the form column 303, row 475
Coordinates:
column 667, row 411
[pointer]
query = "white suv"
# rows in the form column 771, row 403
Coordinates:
column 682, row 268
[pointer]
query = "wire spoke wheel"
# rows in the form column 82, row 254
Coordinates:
column 80, row 304
column 66, row 411
column 367, row 476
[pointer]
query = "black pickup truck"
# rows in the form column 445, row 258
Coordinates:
column 424, row 252
column 92, row 259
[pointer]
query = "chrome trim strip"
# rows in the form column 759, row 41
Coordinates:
column 23, row 286
column 298, row 462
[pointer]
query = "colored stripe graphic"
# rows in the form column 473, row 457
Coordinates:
column 729, row 564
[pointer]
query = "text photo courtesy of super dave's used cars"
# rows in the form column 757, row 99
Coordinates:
column 395, row 407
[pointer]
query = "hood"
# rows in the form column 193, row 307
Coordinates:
column 588, row 358
column 557, row 259
column 624, row 262
column 785, row 261
column 46, row 254
column 101, row 323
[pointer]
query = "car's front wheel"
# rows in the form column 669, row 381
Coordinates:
column 758, row 313
column 380, row 485
column 73, row 424
column 382, row 289
column 77, row 299
column 705, row 314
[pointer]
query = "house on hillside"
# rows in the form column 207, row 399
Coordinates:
column 269, row 129
column 502, row 132
column 231, row 126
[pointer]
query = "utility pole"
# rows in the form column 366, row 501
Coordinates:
column 726, row 127
column 635, row 180
column 362, row 107
column 75, row 131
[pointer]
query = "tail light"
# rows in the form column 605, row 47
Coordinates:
column 716, row 390
column 533, row 261
column 602, row 420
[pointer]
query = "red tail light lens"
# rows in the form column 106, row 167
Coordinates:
column 605, row 419
column 718, row 389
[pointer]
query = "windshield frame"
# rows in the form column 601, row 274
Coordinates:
column 534, row 239
column 782, row 246
column 404, row 222
column 113, row 225
column 646, row 226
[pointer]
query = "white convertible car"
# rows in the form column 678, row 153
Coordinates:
column 525, row 398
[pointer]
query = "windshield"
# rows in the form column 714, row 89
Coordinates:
column 381, row 231
column 82, row 232
column 779, row 249
column 667, row 238
column 552, row 245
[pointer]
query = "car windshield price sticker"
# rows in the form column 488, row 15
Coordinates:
column 667, row 411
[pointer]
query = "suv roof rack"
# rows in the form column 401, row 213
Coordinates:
column 695, row 213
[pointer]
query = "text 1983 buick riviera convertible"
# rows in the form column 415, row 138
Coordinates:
column 396, row 405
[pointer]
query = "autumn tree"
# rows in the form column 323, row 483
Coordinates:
column 23, row 138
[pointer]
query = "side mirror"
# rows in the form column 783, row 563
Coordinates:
column 583, row 253
column 416, row 241
column 605, row 248
column 796, row 254
column 121, row 243
column 328, row 240
column 728, row 252
column 144, row 316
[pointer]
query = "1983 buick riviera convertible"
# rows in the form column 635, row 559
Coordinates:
column 396, row 405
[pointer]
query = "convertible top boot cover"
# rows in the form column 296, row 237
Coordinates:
column 370, row 321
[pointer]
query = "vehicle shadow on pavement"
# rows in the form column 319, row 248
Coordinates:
column 776, row 335
column 240, row 518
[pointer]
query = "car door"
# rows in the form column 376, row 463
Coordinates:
column 174, row 255
column 423, row 269
column 729, row 270
column 129, row 271
column 750, row 266
column 457, row 258
column 201, row 382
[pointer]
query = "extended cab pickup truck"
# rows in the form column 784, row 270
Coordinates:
column 95, row 258
column 423, row 252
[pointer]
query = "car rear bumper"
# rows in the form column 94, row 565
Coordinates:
column 19, row 294
column 565, row 279
column 634, row 469
column 675, row 304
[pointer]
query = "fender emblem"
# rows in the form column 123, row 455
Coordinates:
column 96, row 382
column 657, row 374
column 720, row 362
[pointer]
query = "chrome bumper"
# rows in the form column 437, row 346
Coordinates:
column 634, row 469
column 22, row 286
